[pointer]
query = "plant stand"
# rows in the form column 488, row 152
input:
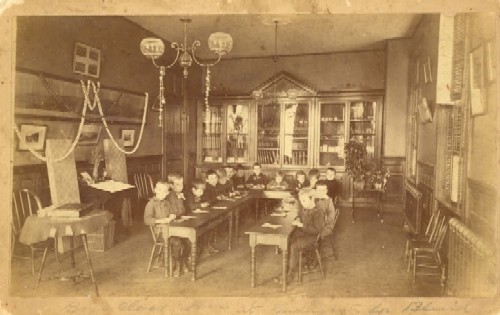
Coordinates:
column 379, row 193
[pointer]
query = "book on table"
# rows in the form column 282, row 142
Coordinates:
column 72, row 210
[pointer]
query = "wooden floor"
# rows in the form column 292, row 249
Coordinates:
column 370, row 264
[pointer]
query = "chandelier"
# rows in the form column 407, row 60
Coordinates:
column 219, row 43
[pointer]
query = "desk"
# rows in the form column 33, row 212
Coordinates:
column 259, row 235
column 101, row 193
column 38, row 229
column 203, row 222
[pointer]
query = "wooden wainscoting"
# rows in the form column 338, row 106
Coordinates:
column 482, row 209
column 395, row 183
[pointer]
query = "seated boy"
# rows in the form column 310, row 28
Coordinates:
column 313, row 177
column 223, row 187
column 210, row 196
column 239, row 179
column 156, row 209
column 194, row 198
column 333, row 185
column 210, row 193
column 309, row 224
column 278, row 183
column 175, row 203
column 325, row 204
column 257, row 179
column 231, row 172
column 300, row 181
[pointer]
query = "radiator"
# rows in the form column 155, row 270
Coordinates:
column 472, row 269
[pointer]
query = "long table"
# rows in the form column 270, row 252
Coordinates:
column 276, row 236
column 201, row 223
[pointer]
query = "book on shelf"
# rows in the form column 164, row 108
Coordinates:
column 71, row 210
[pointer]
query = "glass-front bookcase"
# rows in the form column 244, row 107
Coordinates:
column 332, row 133
column 211, row 135
column 362, row 125
column 237, row 127
column 283, row 133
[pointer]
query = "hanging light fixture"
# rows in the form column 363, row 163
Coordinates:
column 219, row 43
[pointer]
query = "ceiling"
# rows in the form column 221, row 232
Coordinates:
column 253, row 35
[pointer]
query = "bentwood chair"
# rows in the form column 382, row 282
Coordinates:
column 144, row 185
column 24, row 204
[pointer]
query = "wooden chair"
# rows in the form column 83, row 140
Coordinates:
column 426, row 258
column 157, row 250
column 429, row 240
column 429, row 234
column 145, row 188
column 24, row 204
column 314, row 248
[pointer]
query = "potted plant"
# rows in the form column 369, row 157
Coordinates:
column 355, row 153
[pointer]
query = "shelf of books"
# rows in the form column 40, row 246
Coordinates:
column 268, row 137
column 211, row 136
column 332, row 134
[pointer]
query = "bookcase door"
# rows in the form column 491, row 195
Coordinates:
column 332, row 133
column 268, row 134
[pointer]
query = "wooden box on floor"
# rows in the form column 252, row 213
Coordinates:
column 103, row 239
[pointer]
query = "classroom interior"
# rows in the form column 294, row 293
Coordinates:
column 417, row 91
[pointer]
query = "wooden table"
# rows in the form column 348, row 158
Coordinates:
column 259, row 235
column 204, row 222
column 38, row 229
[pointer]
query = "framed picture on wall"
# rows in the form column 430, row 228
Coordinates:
column 127, row 137
column 90, row 134
column 32, row 137
column 87, row 60
column 476, row 81
column 424, row 111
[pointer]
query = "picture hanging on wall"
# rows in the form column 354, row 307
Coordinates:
column 476, row 82
column 424, row 111
column 32, row 136
column 87, row 60
column 90, row 134
column 127, row 137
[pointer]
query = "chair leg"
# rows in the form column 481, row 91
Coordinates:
column 153, row 251
column 32, row 260
column 56, row 253
column 414, row 261
column 334, row 253
column 300, row 267
column 318, row 256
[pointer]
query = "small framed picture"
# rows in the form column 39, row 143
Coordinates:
column 32, row 137
column 90, row 134
column 476, row 81
column 87, row 60
column 424, row 111
column 427, row 70
column 128, row 137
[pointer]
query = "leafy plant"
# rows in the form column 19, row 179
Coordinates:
column 355, row 153
column 379, row 175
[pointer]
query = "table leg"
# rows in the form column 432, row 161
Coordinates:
column 72, row 248
column 237, row 222
column 41, row 266
column 193, row 259
column 230, row 237
column 284, row 251
column 379, row 210
column 87, row 255
column 168, row 253
column 252, row 267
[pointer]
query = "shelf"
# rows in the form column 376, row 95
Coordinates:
column 363, row 120
column 268, row 149
column 333, row 121
column 337, row 153
column 362, row 134
column 73, row 116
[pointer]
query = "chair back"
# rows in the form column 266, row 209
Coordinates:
column 24, row 204
column 144, row 184
column 434, row 220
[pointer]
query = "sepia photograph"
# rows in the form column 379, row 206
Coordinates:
column 300, row 157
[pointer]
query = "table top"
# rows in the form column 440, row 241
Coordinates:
column 220, row 208
column 111, row 186
column 275, row 223
column 37, row 228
